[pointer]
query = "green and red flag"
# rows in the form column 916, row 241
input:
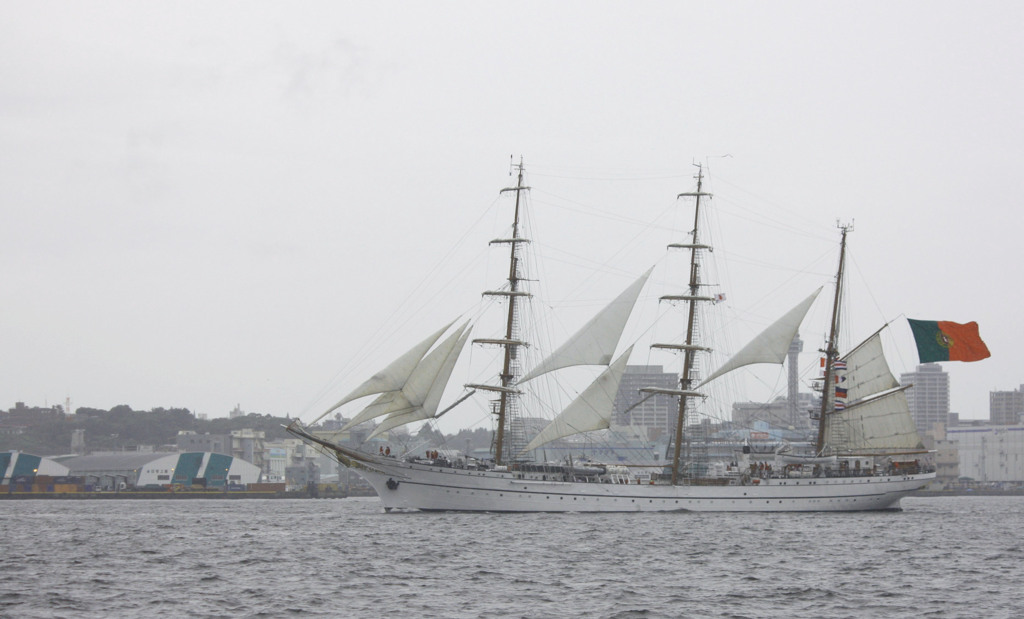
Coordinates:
column 948, row 341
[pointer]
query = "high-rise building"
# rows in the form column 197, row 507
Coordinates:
column 657, row 414
column 929, row 396
column 1005, row 407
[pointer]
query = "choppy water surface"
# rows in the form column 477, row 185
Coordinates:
column 941, row 557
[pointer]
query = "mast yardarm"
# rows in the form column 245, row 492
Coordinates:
column 689, row 349
column 510, row 342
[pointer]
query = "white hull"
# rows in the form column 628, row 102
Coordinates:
column 406, row 486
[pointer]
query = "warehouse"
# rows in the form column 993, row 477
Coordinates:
column 990, row 454
column 150, row 470
column 23, row 466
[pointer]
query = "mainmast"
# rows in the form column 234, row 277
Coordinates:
column 506, row 404
column 689, row 349
column 831, row 347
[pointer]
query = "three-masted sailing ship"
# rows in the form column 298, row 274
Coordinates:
column 867, row 455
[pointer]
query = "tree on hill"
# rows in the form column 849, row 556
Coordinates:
column 48, row 437
column 270, row 426
column 123, row 428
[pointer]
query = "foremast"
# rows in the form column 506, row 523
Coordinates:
column 831, row 349
column 506, row 405
column 690, row 348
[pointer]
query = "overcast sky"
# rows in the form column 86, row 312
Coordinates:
column 211, row 204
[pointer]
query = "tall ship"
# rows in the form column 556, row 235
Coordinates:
column 867, row 454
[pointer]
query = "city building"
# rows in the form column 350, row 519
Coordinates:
column 248, row 445
column 946, row 457
column 1005, row 407
column 244, row 444
column 216, row 443
column 655, row 416
column 989, row 453
column 929, row 397
column 279, row 455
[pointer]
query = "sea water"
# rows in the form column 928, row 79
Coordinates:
column 939, row 557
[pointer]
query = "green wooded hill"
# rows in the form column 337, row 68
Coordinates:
column 122, row 428
column 47, row 431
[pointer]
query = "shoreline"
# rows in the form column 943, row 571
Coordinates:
column 183, row 495
column 969, row 492
column 302, row 494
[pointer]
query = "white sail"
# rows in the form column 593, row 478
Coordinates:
column 394, row 376
column 867, row 371
column 424, row 390
column 591, row 410
column 433, row 399
column 867, row 423
column 399, row 419
column 882, row 423
column 771, row 345
column 384, row 404
column 413, row 391
column 595, row 342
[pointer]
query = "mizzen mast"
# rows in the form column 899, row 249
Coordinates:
column 506, row 408
column 831, row 350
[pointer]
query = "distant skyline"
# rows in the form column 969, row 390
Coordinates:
column 238, row 410
column 206, row 205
